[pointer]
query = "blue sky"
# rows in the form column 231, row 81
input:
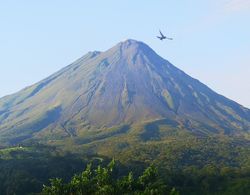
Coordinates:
column 211, row 38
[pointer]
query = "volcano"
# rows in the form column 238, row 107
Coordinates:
column 125, row 86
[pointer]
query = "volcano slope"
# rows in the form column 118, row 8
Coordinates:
column 124, row 96
column 127, row 85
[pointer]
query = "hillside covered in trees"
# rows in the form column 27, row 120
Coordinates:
column 217, row 169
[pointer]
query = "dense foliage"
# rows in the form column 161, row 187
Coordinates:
column 104, row 181
column 23, row 170
column 217, row 166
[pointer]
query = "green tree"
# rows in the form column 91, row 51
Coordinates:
column 103, row 181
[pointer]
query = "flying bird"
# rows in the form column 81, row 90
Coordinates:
column 162, row 37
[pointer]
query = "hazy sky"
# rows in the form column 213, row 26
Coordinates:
column 211, row 37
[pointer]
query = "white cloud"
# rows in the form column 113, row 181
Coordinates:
column 236, row 5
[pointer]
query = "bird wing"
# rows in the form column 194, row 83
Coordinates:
column 161, row 33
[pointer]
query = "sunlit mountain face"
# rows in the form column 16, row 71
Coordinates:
column 126, row 87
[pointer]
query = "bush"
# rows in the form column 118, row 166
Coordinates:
column 104, row 181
